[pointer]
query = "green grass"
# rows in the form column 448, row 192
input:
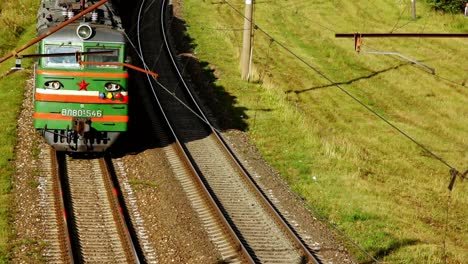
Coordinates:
column 16, row 18
column 11, row 96
column 381, row 189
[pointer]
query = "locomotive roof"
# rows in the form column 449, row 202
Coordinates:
column 101, row 33
column 53, row 12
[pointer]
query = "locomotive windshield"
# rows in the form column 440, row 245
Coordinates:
column 113, row 56
column 61, row 61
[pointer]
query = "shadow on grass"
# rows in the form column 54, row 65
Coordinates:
column 349, row 81
column 393, row 246
column 221, row 103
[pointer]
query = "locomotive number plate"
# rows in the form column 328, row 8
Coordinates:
column 81, row 113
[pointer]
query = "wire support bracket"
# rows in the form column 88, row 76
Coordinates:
column 454, row 173
column 359, row 36
column 433, row 71
column 402, row 35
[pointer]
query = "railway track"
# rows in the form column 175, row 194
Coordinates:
column 59, row 249
column 84, row 216
column 241, row 221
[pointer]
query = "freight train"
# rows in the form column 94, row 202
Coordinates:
column 78, row 107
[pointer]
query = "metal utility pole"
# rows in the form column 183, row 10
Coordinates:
column 247, row 43
column 413, row 9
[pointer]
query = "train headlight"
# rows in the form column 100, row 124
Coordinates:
column 112, row 87
column 84, row 31
column 55, row 85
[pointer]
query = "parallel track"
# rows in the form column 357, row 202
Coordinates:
column 256, row 231
column 83, row 214
column 59, row 247
column 97, row 225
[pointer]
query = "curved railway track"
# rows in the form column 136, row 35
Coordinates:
column 241, row 221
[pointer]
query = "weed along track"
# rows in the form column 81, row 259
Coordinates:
column 96, row 229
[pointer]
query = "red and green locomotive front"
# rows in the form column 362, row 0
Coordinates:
column 81, row 108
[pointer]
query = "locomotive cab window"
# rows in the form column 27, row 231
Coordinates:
column 68, row 61
column 108, row 55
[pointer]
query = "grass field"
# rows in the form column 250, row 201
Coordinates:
column 381, row 189
column 16, row 19
column 375, row 184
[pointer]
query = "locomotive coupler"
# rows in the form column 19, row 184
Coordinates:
column 82, row 129
column 82, row 126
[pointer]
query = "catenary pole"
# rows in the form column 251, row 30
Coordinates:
column 413, row 9
column 247, row 42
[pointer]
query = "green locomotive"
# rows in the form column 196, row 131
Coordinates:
column 77, row 107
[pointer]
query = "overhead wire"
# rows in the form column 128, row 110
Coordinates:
column 315, row 23
column 440, row 159
column 399, row 19
column 316, row 212
column 139, row 53
column 272, row 39
column 316, row 70
column 452, row 168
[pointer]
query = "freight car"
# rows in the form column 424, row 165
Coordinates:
column 80, row 108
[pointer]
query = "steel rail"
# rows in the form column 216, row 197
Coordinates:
column 226, row 226
column 179, row 148
column 268, row 204
column 78, row 210
column 241, row 249
column 65, row 245
column 290, row 232
column 124, row 231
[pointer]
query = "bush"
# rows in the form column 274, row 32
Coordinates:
column 448, row 6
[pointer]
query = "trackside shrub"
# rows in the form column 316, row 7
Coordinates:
column 447, row 6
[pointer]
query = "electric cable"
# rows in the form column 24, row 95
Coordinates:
column 316, row 70
column 452, row 168
column 139, row 53
column 306, row 18
column 363, row 44
column 399, row 18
